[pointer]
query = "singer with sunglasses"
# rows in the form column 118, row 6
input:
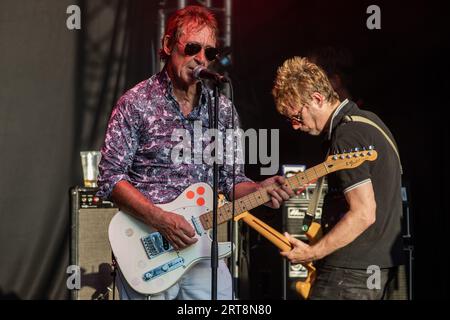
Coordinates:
column 137, row 170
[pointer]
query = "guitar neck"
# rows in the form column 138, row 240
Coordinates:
column 257, row 198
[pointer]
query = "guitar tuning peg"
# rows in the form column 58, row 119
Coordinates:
column 356, row 149
column 364, row 148
column 371, row 147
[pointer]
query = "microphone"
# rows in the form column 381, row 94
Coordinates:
column 201, row 72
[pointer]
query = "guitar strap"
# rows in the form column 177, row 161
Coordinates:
column 348, row 118
column 314, row 203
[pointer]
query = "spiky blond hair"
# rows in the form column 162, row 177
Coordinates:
column 297, row 79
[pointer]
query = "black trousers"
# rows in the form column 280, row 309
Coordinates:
column 334, row 283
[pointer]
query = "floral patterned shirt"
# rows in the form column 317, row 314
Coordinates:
column 146, row 130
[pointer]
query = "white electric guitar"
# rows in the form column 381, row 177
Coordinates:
column 151, row 265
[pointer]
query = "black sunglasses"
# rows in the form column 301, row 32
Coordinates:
column 193, row 48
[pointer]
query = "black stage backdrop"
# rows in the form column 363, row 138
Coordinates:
column 46, row 118
column 37, row 112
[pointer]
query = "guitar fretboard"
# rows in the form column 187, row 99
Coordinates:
column 261, row 196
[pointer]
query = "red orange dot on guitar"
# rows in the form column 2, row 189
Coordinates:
column 200, row 190
column 200, row 201
column 190, row 194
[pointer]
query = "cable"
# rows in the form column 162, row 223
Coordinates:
column 233, row 283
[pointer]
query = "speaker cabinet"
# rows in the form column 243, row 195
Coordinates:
column 89, row 246
column 293, row 213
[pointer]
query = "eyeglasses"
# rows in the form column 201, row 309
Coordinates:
column 294, row 120
column 192, row 48
column 297, row 119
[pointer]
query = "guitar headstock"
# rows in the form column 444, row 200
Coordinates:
column 349, row 160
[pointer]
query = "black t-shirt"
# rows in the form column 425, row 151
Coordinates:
column 381, row 243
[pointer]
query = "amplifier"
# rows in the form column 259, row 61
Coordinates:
column 294, row 210
column 89, row 245
column 293, row 213
column 86, row 198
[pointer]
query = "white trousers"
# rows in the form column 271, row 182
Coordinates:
column 193, row 285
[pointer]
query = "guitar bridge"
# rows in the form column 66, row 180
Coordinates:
column 155, row 244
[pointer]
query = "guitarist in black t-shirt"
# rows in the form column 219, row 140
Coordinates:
column 361, row 219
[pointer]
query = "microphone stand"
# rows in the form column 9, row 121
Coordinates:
column 214, row 244
column 216, row 80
